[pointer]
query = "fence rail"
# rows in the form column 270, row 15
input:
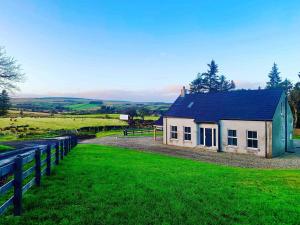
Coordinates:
column 13, row 173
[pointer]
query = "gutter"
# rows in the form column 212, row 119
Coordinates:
column 285, row 123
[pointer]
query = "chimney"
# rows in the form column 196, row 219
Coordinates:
column 183, row 92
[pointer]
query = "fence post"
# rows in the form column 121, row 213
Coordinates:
column 18, row 178
column 38, row 167
column 48, row 168
column 61, row 149
column 57, row 153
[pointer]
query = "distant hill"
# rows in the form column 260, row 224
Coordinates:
column 83, row 105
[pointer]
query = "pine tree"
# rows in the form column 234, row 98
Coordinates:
column 211, row 78
column 4, row 103
column 274, row 76
column 225, row 85
column 210, row 81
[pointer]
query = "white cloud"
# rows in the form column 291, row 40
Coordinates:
column 248, row 85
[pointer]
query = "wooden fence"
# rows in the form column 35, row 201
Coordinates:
column 128, row 132
column 42, row 158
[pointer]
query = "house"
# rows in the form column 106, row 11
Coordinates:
column 256, row 122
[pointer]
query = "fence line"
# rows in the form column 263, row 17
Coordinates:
column 14, row 166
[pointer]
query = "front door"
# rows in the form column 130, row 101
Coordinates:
column 208, row 137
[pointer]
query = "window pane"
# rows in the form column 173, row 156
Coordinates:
column 229, row 141
column 187, row 129
column 254, row 143
column 234, row 141
column 254, row 134
column 201, row 136
column 234, row 133
column 249, row 143
column 187, row 137
column 249, row 134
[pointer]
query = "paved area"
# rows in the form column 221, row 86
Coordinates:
column 288, row 160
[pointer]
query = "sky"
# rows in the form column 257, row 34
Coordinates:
column 146, row 50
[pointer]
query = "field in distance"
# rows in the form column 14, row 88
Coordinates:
column 63, row 104
column 57, row 123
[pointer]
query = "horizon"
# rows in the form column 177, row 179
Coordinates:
column 146, row 52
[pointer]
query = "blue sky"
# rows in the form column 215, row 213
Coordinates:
column 146, row 50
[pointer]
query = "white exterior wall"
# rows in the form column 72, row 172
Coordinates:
column 261, row 127
column 241, row 127
column 180, row 123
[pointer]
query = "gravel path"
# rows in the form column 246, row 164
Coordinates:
column 289, row 160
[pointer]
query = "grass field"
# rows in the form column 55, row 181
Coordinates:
column 59, row 123
column 110, row 185
column 85, row 106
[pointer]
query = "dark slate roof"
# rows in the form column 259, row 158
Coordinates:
column 159, row 122
column 231, row 105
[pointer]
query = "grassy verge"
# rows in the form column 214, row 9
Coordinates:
column 120, row 133
column 109, row 133
column 110, row 185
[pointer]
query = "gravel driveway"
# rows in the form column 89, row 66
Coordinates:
column 288, row 160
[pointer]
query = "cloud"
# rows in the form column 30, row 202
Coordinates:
column 165, row 94
column 248, row 85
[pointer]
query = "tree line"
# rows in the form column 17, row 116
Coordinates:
column 211, row 81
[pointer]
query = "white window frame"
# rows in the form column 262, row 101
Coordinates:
column 174, row 132
column 232, row 137
column 187, row 133
column 254, row 139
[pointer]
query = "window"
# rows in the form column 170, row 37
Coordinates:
column 252, row 141
column 215, row 137
column 201, row 136
column 231, row 137
column 190, row 105
column 187, row 133
column 174, row 132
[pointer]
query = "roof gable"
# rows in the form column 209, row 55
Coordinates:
column 231, row 105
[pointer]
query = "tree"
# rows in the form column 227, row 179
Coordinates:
column 4, row 103
column 274, row 78
column 294, row 100
column 210, row 81
column 10, row 71
column 225, row 85
column 286, row 85
column 131, row 112
column 142, row 112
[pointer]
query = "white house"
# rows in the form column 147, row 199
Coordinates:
column 256, row 122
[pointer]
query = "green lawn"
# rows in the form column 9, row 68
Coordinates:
column 59, row 123
column 110, row 185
